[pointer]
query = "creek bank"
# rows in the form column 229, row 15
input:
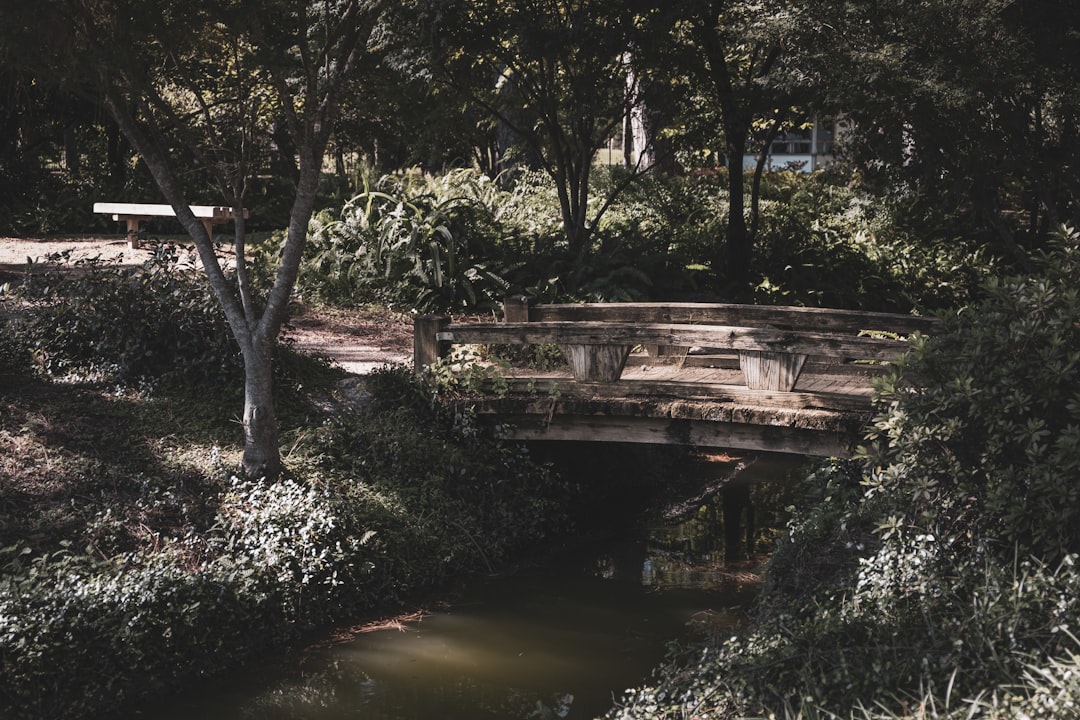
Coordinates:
column 379, row 506
column 554, row 634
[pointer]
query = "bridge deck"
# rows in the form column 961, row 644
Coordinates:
column 781, row 379
column 699, row 373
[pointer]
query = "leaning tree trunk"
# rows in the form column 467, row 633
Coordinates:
column 759, row 168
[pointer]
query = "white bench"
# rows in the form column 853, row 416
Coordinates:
column 134, row 213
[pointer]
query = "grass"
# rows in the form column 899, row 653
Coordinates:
column 116, row 470
column 85, row 467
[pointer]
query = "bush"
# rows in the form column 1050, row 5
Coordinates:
column 412, row 242
column 988, row 441
column 823, row 242
column 156, row 322
column 655, row 241
column 463, row 497
column 938, row 570
column 79, row 636
column 458, row 241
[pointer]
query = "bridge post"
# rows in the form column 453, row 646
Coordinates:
column 516, row 308
column 427, row 349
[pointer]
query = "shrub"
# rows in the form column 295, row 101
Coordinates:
column 154, row 322
column 399, row 496
column 823, row 242
column 989, row 440
column 79, row 636
column 937, row 570
column 458, row 241
column 422, row 244
column 472, row 497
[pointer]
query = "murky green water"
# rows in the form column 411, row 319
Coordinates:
column 563, row 641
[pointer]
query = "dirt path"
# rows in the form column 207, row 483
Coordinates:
column 15, row 251
column 357, row 340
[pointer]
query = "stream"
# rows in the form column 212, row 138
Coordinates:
column 562, row 640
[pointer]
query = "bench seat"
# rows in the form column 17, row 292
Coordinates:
column 135, row 213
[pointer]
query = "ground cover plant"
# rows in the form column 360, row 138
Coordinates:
column 134, row 559
column 936, row 574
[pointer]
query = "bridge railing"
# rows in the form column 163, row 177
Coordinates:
column 772, row 342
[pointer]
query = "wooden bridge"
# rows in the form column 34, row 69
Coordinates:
column 783, row 379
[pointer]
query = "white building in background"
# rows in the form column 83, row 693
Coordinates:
column 800, row 150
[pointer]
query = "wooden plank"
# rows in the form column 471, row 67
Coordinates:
column 852, row 378
column 816, row 319
column 844, row 399
column 738, row 338
column 814, row 365
column 664, row 431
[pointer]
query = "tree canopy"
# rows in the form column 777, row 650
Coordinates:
column 558, row 77
column 959, row 116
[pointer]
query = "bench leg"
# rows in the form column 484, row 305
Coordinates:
column 133, row 233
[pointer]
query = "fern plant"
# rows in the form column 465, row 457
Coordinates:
column 409, row 244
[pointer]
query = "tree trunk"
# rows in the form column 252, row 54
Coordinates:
column 72, row 155
column 261, row 453
column 759, row 168
column 735, row 261
column 115, row 150
column 262, row 458
column 637, row 132
column 299, row 138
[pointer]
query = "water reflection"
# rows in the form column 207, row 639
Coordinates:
column 539, row 645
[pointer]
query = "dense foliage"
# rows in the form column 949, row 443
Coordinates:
column 180, row 569
column 412, row 241
column 938, row 570
column 129, row 324
column 931, row 575
column 460, row 242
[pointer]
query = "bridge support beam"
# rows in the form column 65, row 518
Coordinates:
column 596, row 363
column 667, row 431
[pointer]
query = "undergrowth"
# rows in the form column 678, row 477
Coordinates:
column 459, row 241
column 132, row 560
column 374, row 506
column 936, row 574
